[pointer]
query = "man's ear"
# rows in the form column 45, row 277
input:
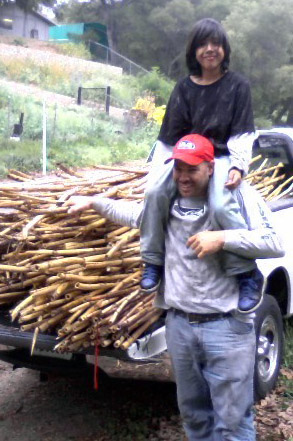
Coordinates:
column 211, row 166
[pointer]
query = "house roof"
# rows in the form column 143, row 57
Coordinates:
column 42, row 17
column 37, row 14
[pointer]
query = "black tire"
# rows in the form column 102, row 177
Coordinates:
column 269, row 346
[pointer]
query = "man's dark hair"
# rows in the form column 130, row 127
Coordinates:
column 204, row 30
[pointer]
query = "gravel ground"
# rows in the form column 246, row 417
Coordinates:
column 69, row 409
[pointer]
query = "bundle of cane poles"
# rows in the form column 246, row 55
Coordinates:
column 270, row 180
column 75, row 276
column 78, row 276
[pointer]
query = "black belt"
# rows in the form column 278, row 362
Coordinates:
column 195, row 318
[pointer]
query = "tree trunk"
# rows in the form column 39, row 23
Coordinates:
column 290, row 113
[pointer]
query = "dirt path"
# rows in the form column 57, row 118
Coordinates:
column 38, row 93
column 51, row 98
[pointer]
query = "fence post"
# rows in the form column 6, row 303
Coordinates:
column 44, row 138
column 108, row 97
column 79, row 95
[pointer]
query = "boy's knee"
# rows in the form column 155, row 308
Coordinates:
column 219, row 211
column 152, row 192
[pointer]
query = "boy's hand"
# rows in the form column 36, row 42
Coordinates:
column 79, row 203
column 234, row 179
column 206, row 242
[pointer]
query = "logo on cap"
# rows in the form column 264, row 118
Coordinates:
column 186, row 145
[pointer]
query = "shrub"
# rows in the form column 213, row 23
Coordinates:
column 19, row 42
column 77, row 136
column 77, row 50
column 155, row 82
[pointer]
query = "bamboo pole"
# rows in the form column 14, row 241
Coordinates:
column 125, row 345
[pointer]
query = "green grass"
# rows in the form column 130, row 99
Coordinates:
column 65, row 79
column 77, row 50
column 24, row 156
column 288, row 358
column 76, row 136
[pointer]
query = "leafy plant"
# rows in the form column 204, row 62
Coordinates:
column 76, row 135
column 77, row 50
column 18, row 42
column 155, row 82
column 288, row 359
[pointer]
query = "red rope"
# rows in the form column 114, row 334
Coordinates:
column 96, row 369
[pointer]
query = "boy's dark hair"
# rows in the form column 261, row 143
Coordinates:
column 206, row 29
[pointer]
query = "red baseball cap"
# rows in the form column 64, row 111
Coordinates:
column 193, row 149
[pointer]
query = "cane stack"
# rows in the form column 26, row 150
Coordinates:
column 78, row 276
column 75, row 276
column 270, row 180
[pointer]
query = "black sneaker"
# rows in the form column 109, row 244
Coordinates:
column 151, row 277
column 250, row 290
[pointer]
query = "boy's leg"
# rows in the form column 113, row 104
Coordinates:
column 155, row 216
column 153, row 224
column 226, row 210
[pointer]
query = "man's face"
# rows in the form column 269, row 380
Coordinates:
column 192, row 180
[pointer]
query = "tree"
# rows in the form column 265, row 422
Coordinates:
column 150, row 33
column 96, row 10
column 153, row 33
column 262, row 46
column 28, row 4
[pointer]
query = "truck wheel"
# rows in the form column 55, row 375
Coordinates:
column 269, row 346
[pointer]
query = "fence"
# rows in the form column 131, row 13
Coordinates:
column 107, row 91
column 73, row 135
column 109, row 56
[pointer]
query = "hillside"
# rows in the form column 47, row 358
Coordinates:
column 32, row 73
column 28, row 42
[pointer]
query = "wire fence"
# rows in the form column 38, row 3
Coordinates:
column 107, row 55
column 43, row 134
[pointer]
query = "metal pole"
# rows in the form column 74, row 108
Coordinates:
column 79, row 95
column 108, row 97
column 44, row 139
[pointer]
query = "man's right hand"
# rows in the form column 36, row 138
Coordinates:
column 79, row 203
column 206, row 242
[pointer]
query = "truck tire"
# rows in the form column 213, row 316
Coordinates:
column 269, row 346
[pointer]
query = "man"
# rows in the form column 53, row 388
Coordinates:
column 212, row 346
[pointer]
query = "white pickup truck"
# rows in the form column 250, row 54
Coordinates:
column 147, row 357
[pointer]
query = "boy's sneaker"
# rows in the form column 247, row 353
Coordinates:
column 151, row 277
column 250, row 290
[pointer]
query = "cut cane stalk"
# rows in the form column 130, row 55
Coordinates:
column 140, row 331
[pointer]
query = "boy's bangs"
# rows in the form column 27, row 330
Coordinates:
column 211, row 33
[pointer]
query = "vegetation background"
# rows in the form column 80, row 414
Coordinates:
column 153, row 34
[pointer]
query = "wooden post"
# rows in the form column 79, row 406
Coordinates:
column 79, row 95
column 44, row 139
column 108, row 97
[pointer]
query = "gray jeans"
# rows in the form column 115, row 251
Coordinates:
column 213, row 364
column 223, row 204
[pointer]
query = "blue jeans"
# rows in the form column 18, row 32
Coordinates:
column 224, row 208
column 213, row 364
